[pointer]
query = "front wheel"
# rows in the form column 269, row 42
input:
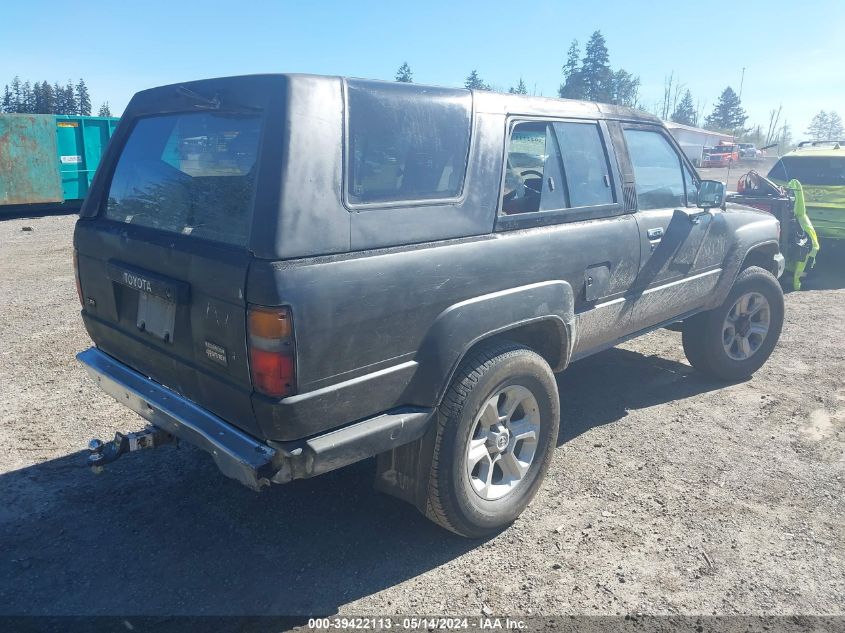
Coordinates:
column 733, row 341
column 497, row 428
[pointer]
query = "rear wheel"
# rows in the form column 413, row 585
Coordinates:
column 497, row 428
column 733, row 341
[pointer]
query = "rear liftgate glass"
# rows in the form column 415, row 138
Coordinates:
column 183, row 189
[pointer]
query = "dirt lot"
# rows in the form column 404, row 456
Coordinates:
column 668, row 494
column 731, row 176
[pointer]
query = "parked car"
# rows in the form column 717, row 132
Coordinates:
column 297, row 272
column 820, row 168
column 720, row 156
column 749, row 151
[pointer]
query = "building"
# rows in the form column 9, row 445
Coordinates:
column 693, row 140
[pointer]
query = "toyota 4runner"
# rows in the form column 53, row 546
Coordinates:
column 297, row 272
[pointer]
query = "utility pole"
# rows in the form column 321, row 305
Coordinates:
column 741, row 82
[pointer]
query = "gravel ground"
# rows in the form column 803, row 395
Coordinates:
column 669, row 494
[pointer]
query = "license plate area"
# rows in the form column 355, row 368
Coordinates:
column 156, row 316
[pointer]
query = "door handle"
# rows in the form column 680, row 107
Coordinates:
column 655, row 234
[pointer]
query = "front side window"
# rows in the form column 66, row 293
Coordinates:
column 533, row 173
column 191, row 173
column 406, row 143
column 657, row 170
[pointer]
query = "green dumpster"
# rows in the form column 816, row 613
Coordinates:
column 81, row 142
column 49, row 160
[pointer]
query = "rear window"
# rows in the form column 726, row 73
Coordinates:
column 406, row 143
column 191, row 173
column 811, row 170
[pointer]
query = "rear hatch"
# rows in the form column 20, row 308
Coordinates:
column 163, row 246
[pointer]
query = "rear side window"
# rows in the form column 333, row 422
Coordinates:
column 657, row 170
column 190, row 173
column 585, row 161
column 555, row 165
column 533, row 174
column 811, row 170
column 406, row 143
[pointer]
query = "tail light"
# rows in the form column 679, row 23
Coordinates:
column 76, row 276
column 272, row 361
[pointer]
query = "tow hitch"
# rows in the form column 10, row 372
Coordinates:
column 102, row 453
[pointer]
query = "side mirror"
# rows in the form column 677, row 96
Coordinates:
column 711, row 194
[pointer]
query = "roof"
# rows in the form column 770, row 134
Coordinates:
column 483, row 100
column 824, row 152
column 819, row 148
column 672, row 125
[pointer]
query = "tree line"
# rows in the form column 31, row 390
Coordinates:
column 40, row 97
column 590, row 77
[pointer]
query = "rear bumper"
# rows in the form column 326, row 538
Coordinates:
column 238, row 455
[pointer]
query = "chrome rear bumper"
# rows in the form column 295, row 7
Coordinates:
column 236, row 454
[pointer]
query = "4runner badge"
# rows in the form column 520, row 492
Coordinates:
column 216, row 353
column 137, row 282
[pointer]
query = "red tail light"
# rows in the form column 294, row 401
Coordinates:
column 272, row 361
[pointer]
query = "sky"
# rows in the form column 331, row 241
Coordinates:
column 793, row 53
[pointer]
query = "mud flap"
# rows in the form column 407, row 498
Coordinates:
column 404, row 471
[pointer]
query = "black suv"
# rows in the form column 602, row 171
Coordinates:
column 298, row 272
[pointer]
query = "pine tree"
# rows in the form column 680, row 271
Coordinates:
column 404, row 74
column 48, row 98
column 573, row 84
column 727, row 115
column 520, row 88
column 59, row 96
column 6, row 104
column 104, row 109
column 71, row 104
column 17, row 95
column 685, row 112
column 27, row 99
column 83, row 100
column 624, row 88
column 474, row 82
column 38, row 104
column 595, row 69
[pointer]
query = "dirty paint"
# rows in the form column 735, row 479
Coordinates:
column 28, row 172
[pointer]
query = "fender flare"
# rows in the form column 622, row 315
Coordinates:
column 732, row 268
column 464, row 324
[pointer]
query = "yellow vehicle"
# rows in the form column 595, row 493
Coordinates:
column 820, row 168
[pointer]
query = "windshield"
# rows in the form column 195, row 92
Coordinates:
column 190, row 173
column 811, row 170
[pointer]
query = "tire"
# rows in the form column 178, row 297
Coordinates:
column 481, row 500
column 732, row 349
